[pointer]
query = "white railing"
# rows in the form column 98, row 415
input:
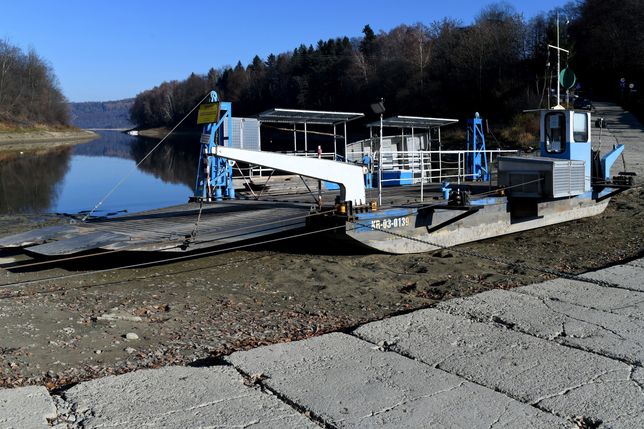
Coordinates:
column 431, row 165
column 416, row 167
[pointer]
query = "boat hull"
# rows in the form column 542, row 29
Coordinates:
column 424, row 229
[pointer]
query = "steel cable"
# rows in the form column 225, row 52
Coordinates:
column 127, row 175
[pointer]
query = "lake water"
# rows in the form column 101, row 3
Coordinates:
column 74, row 179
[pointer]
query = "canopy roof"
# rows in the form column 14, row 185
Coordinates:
column 413, row 122
column 294, row 116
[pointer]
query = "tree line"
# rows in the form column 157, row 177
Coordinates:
column 499, row 65
column 29, row 90
column 101, row 114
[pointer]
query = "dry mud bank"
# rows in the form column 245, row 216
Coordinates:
column 67, row 329
column 37, row 140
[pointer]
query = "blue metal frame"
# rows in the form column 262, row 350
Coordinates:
column 368, row 177
column 609, row 159
column 476, row 162
column 214, row 174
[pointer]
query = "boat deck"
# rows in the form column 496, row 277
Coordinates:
column 169, row 229
column 184, row 228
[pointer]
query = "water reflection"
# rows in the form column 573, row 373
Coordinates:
column 30, row 182
column 71, row 180
column 175, row 161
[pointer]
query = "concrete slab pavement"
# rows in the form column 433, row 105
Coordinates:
column 611, row 335
column 627, row 276
column 624, row 128
column 26, row 407
column 544, row 355
column 350, row 383
column 565, row 381
column 637, row 263
column 176, row 397
column 613, row 300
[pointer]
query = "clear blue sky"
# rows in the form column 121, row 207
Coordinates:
column 108, row 50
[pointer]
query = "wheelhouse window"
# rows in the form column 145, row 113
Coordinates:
column 555, row 128
column 580, row 127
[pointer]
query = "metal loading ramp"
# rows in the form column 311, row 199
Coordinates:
column 174, row 229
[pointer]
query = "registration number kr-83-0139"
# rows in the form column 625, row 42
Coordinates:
column 396, row 222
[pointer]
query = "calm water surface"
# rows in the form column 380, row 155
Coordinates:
column 74, row 179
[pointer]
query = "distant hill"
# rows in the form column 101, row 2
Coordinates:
column 102, row 114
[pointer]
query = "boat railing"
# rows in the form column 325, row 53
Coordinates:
column 429, row 166
column 395, row 167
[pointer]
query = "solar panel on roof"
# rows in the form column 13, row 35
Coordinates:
column 413, row 122
column 297, row 116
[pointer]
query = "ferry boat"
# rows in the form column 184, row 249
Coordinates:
column 396, row 194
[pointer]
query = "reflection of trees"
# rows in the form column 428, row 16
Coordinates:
column 112, row 143
column 29, row 183
column 174, row 161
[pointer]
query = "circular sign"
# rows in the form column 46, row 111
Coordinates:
column 567, row 78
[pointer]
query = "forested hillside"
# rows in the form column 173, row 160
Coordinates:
column 29, row 91
column 102, row 114
column 498, row 66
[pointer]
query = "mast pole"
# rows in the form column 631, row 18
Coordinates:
column 558, row 64
column 558, row 49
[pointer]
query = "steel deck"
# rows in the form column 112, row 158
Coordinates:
column 175, row 229
column 169, row 229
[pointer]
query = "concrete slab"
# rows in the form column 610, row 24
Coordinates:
column 623, row 127
column 178, row 397
column 613, row 300
column 637, row 263
column 607, row 334
column 627, row 276
column 349, row 383
column 564, row 381
column 26, row 407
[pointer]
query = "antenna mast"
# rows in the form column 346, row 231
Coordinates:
column 558, row 49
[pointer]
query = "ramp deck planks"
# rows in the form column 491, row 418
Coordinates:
column 168, row 229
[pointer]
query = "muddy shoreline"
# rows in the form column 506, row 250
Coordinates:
column 42, row 139
column 74, row 326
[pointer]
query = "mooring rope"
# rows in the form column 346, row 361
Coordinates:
column 128, row 174
column 190, row 238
